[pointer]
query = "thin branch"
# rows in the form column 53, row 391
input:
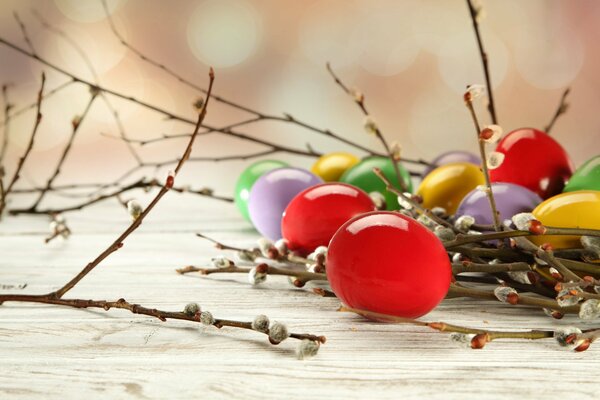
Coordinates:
column 118, row 243
column 140, row 184
column 25, row 155
column 73, row 43
column 474, row 12
column 33, row 104
column 301, row 277
column 486, row 174
column 444, row 327
column 489, row 268
column 359, row 99
column 6, row 124
column 548, row 257
column 76, row 124
column 418, row 207
column 152, row 312
column 24, row 32
column 563, row 106
column 461, row 291
column 287, row 118
column 462, row 239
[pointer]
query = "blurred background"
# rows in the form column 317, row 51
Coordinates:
column 412, row 59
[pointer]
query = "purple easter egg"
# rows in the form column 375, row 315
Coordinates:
column 271, row 194
column 510, row 199
column 452, row 157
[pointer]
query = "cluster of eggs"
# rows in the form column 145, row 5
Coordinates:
column 386, row 262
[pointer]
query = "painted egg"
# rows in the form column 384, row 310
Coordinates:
column 362, row 176
column 271, row 194
column 247, row 179
column 330, row 167
column 447, row 185
column 586, row 177
column 388, row 263
column 568, row 210
column 510, row 199
column 534, row 160
column 314, row 215
column 452, row 157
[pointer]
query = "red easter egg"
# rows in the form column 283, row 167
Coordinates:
column 533, row 160
column 314, row 215
column 388, row 263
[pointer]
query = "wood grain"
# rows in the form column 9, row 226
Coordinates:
column 52, row 352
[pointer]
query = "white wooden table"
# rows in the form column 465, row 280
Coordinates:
column 54, row 352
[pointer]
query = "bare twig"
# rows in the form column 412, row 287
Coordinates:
column 301, row 277
column 259, row 116
column 563, row 106
column 462, row 239
column 152, row 312
column 418, row 207
column 32, row 105
column 6, row 124
column 24, row 32
column 444, row 327
column 461, row 291
column 38, row 118
column 484, row 60
column 486, row 174
column 139, row 184
column 76, row 124
column 359, row 99
column 73, row 43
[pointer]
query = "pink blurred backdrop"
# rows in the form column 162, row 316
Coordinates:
column 412, row 59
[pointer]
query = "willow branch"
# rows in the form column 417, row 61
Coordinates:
column 76, row 124
column 420, row 209
column 24, row 32
column 444, row 327
column 462, row 239
column 152, row 312
column 118, row 243
column 32, row 105
column 359, row 99
column 563, row 106
column 461, row 291
column 301, row 277
column 86, row 59
column 286, row 118
column 484, row 61
column 25, row 155
column 6, row 123
column 139, row 184
column 459, row 268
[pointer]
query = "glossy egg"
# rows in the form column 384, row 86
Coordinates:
column 330, row 167
column 586, row 177
column 272, row 193
column 452, row 157
column 510, row 199
column 447, row 185
column 568, row 210
column 314, row 215
column 362, row 176
column 247, row 179
column 388, row 263
column 534, row 160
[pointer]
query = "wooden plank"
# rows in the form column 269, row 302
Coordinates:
column 53, row 352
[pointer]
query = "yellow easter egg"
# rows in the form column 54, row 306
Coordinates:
column 580, row 209
column 447, row 185
column 330, row 167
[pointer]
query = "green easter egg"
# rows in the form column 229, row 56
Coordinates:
column 247, row 179
column 362, row 176
column 586, row 177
